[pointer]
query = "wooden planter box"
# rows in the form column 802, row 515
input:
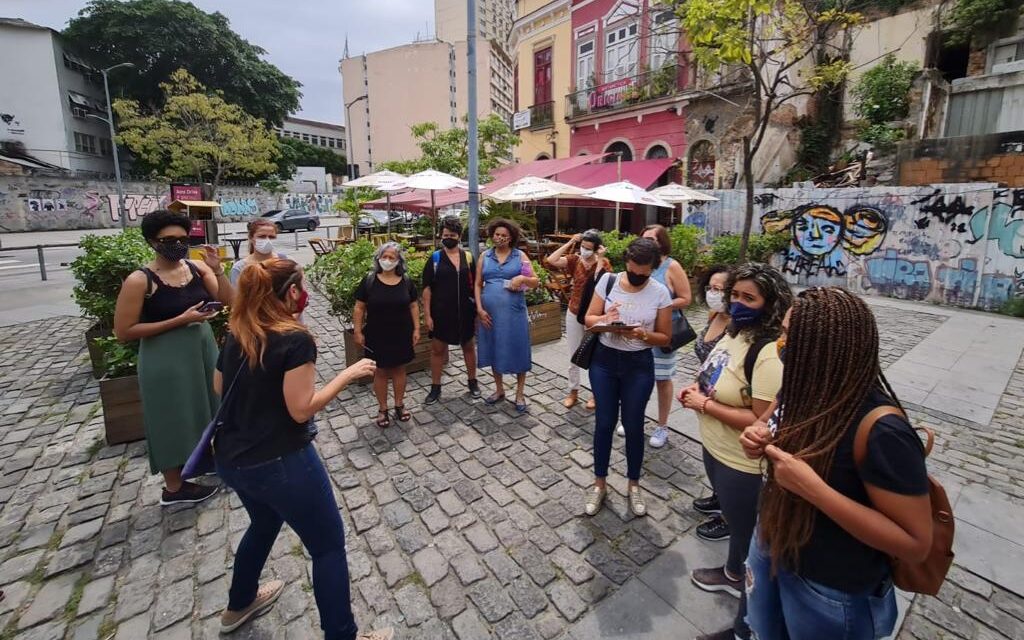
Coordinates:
column 545, row 326
column 122, row 409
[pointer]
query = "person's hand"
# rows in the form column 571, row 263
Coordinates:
column 359, row 338
column 193, row 314
column 578, row 238
column 601, row 251
column 429, row 322
column 754, row 439
column 212, row 258
column 686, row 390
column 639, row 333
column 415, row 337
column 361, row 369
column 792, row 473
column 485, row 318
column 516, row 283
column 694, row 400
column 611, row 314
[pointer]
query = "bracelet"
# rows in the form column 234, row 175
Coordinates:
column 704, row 405
column 218, row 273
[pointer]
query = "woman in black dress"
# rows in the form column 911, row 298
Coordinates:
column 386, row 301
column 449, row 307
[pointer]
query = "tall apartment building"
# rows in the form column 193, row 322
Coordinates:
column 413, row 83
column 49, row 100
column 494, row 19
column 319, row 134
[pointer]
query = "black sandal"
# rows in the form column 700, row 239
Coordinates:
column 383, row 419
column 401, row 414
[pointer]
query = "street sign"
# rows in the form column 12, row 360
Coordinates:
column 521, row 120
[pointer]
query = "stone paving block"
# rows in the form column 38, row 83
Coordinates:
column 393, row 567
column 87, row 628
column 530, row 598
column 491, row 600
column 81, row 532
column 96, row 595
column 414, row 604
column 431, row 565
column 137, row 627
column 50, row 601
column 536, row 565
column 515, row 627
column 469, row 626
column 19, row 566
column 448, row 597
column 50, row 631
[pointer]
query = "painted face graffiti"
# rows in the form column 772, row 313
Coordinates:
column 822, row 236
column 817, row 230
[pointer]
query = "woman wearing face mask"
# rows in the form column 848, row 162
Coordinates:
column 388, row 303
column 263, row 448
column 503, row 275
column 585, row 268
column 622, row 368
column 162, row 306
column 735, row 386
column 262, row 234
column 449, row 308
column 712, row 286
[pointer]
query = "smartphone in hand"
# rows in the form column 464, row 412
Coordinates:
column 211, row 307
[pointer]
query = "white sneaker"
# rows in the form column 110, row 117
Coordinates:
column 620, row 430
column 659, row 437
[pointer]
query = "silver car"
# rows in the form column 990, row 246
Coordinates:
column 293, row 219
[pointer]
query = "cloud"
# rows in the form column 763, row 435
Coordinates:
column 304, row 38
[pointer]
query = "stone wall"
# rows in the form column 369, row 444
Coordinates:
column 38, row 203
column 996, row 158
column 959, row 244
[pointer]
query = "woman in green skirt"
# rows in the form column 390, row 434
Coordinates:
column 166, row 305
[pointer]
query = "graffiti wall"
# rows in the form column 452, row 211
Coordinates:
column 29, row 203
column 959, row 244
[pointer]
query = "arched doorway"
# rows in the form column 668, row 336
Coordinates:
column 702, row 165
column 542, row 156
column 617, row 148
column 656, row 152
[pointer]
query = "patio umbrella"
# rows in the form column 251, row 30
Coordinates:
column 625, row 192
column 532, row 188
column 386, row 181
column 432, row 181
column 678, row 194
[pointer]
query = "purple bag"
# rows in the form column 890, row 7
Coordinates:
column 200, row 461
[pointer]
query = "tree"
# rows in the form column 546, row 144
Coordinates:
column 296, row 153
column 788, row 48
column 196, row 135
column 161, row 36
column 447, row 150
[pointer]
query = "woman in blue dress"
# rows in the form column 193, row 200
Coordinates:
column 503, row 275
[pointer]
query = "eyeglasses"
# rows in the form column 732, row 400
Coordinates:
column 172, row 240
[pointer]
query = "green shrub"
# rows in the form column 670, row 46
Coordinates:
column 105, row 263
column 762, row 246
column 881, row 136
column 541, row 294
column 119, row 358
column 615, row 247
column 725, row 249
column 686, row 243
column 882, row 94
column 1014, row 307
column 339, row 273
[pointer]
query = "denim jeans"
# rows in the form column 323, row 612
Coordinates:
column 788, row 607
column 295, row 489
column 620, row 379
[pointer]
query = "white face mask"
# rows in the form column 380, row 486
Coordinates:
column 264, row 245
column 586, row 253
column 388, row 265
column 715, row 300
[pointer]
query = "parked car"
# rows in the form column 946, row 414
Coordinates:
column 293, row 219
column 370, row 219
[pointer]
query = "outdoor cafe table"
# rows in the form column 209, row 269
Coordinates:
column 236, row 243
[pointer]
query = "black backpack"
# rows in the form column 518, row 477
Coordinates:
column 751, row 359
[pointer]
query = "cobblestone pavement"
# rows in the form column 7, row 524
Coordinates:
column 463, row 523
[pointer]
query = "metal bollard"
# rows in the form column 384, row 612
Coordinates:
column 42, row 261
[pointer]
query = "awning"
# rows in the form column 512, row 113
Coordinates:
column 419, row 201
column 642, row 173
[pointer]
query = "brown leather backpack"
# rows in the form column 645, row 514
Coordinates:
column 928, row 575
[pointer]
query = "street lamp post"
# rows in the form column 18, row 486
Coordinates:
column 113, row 140
column 348, row 130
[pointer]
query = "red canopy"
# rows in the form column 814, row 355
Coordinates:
column 419, row 201
column 642, row 173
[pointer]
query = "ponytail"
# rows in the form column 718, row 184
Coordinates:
column 259, row 307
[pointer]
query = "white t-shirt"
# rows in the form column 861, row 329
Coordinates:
column 639, row 308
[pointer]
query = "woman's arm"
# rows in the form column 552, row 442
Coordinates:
column 218, row 382
column 128, row 311
column 596, row 313
column 899, row 526
column 358, row 317
column 414, row 309
column 680, row 285
column 478, row 285
column 301, row 396
column 662, row 334
column 215, row 280
column 557, row 259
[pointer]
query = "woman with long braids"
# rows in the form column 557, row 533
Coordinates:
column 829, row 523
column 735, row 385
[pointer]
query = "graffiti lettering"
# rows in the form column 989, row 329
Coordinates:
column 239, row 206
column 822, row 236
column 957, row 285
column 935, row 205
column 311, row 202
column 765, row 199
column 892, row 275
column 1005, row 226
column 135, row 205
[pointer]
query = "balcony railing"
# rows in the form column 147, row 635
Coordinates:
column 542, row 115
column 625, row 92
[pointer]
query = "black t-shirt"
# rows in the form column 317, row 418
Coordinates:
column 894, row 462
column 256, row 424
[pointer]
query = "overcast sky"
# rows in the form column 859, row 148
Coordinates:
column 304, row 38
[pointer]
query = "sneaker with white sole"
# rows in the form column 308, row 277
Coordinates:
column 266, row 596
column 620, row 430
column 659, row 437
column 636, row 501
column 716, row 580
column 595, row 498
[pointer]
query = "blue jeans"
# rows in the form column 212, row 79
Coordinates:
column 788, row 607
column 295, row 489
column 620, row 379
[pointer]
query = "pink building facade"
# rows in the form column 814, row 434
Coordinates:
column 628, row 75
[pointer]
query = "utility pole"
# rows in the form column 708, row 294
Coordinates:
column 473, row 134
column 113, row 141
column 348, row 130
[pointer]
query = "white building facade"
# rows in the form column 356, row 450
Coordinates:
column 319, row 134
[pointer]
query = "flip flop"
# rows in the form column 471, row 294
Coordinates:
column 494, row 398
column 383, row 419
column 401, row 414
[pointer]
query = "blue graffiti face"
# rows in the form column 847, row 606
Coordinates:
column 817, row 231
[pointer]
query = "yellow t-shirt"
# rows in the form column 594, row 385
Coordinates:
column 723, row 372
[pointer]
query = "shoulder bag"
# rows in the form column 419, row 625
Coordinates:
column 200, row 461
column 585, row 351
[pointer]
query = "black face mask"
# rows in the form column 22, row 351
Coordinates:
column 172, row 251
column 636, row 279
column 450, row 243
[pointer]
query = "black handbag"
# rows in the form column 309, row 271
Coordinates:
column 585, row 351
column 682, row 332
